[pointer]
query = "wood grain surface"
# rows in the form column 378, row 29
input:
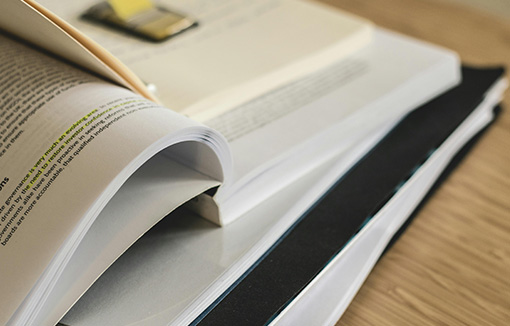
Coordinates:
column 452, row 265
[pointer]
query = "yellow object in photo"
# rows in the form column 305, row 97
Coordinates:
column 127, row 9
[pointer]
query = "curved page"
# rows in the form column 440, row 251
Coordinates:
column 68, row 142
column 153, row 191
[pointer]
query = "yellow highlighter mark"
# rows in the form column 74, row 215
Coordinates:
column 55, row 144
column 74, row 130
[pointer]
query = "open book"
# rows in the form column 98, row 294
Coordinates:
column 179, row 264
column 91, row 160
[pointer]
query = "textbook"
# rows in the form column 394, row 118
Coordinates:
column 91, row 159
column 310, row 270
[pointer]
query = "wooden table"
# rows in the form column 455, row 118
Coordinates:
column 452, row 265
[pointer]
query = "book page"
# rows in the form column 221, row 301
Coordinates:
column 288, row 131
column 68, row 141
column 153, row 191
column 239, row 50
column 166, row 264
column 32, row 22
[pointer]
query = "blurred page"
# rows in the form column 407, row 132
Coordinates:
column 49, row 32
column 241, row 48
column 287, row 132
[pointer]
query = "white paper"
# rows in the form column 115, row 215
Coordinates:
column 69, row 141
column 338, row 106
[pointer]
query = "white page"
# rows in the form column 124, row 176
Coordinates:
column 173, row 264
column 155, row 190
column 240, row 49
column 284, row 134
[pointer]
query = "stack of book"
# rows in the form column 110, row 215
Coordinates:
column 286, row 143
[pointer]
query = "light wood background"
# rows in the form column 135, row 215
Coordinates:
column 452, row 265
